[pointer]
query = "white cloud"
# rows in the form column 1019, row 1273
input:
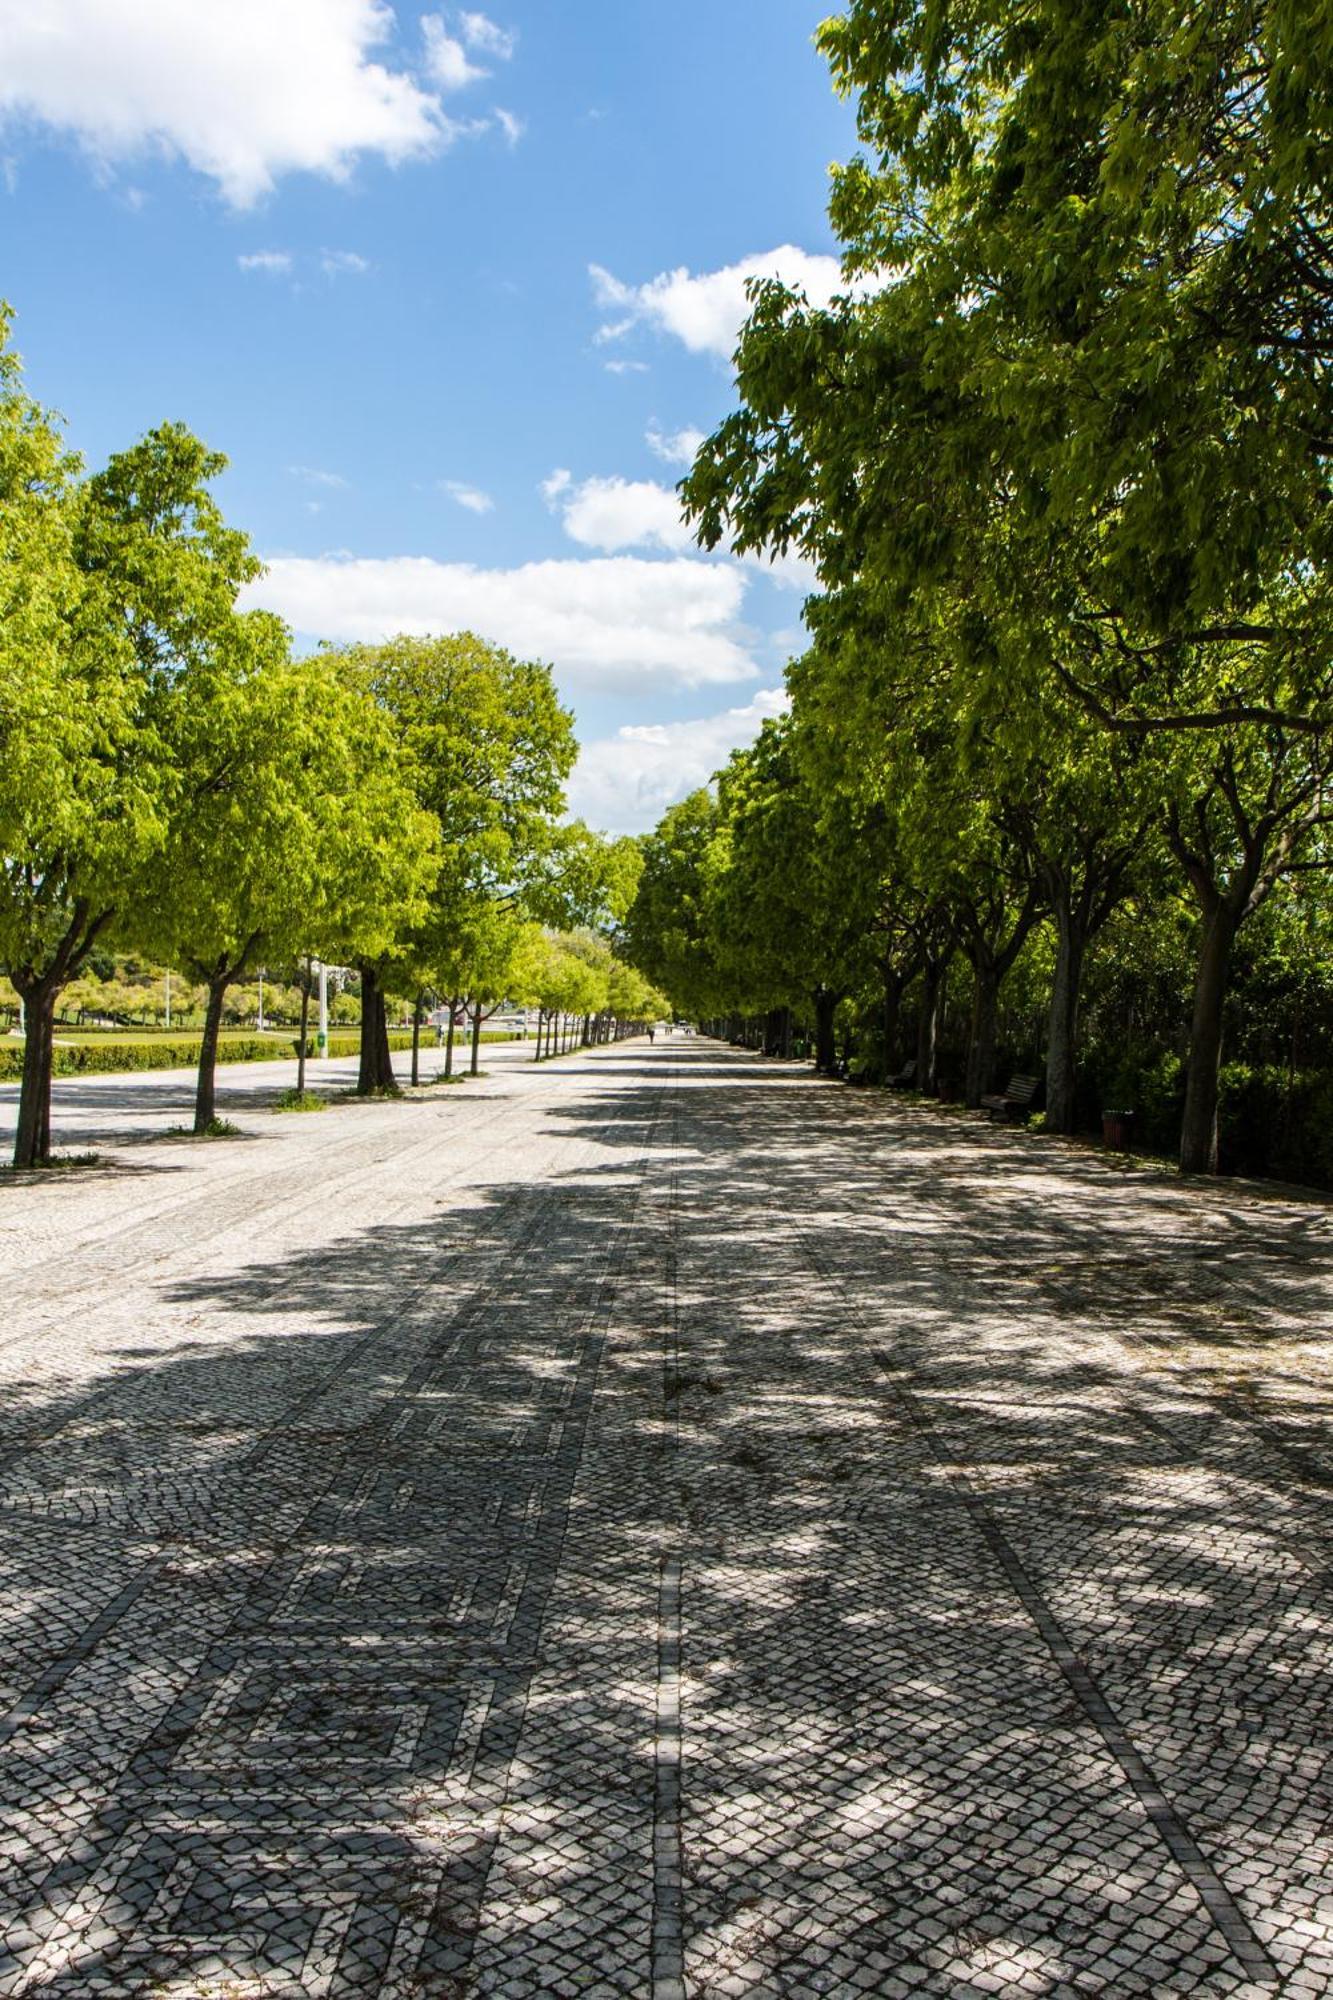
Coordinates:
column 625, row 782
column 470, row 497
column 614, row 514
column 479, row 32
column 511, row 125
column 274, row 263
column 676, row 447
column 313, row 476
column 343, row 263
column 602, row 622
column 611, row 514
column 446, row 58
column 706, row 310
column 625, row 367
column 243, row 92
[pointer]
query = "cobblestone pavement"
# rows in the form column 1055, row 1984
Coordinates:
column 120, row 1108
column 657, row 1525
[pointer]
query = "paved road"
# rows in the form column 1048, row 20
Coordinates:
column 657, row 1525
column 89, row 1111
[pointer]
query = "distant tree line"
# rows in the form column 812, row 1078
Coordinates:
column 1053, row 787
column 174, row 782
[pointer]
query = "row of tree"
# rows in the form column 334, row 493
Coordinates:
column 174, row 781
column 1060, row 457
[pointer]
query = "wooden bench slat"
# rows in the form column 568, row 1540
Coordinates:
column 1017, row 1095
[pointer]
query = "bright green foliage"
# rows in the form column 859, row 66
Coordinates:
column 667, row 928
column 554, row 974
column 486, row 748
column 586, row 878
column 1068, row 436
column 787, row 917
column 295, row 828
column 142, row 580
column 42, row 731
column 630, row 997
column 1131, row 225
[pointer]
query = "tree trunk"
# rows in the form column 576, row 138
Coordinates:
column 449, row 1038
column 417, row 1005
column 985, row 1028
column 476, row 1039
column 39, row 993
column 825, row 1056
column 893, row 1001
column 305, row 1029
column 1062, row 1033
column 1198, row 1132
column 375, row 1070
column 929, row 1006
column 32, row 1141
column 205, row 1093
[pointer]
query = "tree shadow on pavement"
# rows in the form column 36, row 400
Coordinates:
column 340, row 1625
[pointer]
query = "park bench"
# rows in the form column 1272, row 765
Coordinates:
column 1016, row 1099
column 904, row 1078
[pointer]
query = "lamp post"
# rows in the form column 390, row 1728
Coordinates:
column 168, row 1000
column 323, row 1039
column 261, row 1001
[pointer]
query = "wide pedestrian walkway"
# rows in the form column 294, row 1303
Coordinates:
column 658, row 1525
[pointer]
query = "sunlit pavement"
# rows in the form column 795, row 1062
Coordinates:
column 654, row 1524
column 90, row 1111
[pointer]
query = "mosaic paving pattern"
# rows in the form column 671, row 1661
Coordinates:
column 664, row 1527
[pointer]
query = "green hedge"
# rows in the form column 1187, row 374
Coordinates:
column 95, row 1059
column 1272, row 1123
column 1276, row 1124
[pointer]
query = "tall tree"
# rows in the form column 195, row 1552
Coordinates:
column 1086, row 428
column 791, row 905
column 294, row 828
column 668, row 935
column 145, row 583
column 486, row 748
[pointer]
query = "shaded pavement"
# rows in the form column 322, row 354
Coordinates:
column 659, row 1525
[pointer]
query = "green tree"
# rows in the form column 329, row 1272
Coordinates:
column 486, row 748
column 585, row 877
column 294, row 827
column 145, row 580
column 668, row 936
column 791, row 901
column 1084, row 432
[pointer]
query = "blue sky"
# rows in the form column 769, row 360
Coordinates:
column 452, row 289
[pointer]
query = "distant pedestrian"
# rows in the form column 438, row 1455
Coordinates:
column 652, row 1032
